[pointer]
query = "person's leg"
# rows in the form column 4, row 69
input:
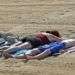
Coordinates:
column 16, row 48
column 4, row 47
column 17, row 44
column 26, row 45
column 39, row 56
column 50, row 51
column 69, row 43
column 32, row 52
column 11, row 51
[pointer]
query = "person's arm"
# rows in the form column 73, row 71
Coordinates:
column 42, row 55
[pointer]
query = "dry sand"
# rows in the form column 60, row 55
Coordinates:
column 23, row 17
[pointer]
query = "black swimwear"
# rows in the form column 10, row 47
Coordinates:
column 35, row 42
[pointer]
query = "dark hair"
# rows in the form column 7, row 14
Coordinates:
column 54, row 32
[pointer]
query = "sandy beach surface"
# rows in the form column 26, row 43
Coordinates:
column 24, row 17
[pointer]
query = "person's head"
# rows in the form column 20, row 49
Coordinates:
column 54, row 32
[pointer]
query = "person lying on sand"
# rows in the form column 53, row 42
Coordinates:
column 45, row 50
column 36, row 40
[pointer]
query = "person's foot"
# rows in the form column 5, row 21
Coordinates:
column 6, row 56
column 1, row 52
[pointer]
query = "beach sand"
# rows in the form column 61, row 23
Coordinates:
column 24, row 17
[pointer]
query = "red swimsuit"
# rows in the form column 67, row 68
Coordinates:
column 43, row 38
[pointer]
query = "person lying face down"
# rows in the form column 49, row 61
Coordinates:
column 40, row 38
column 46, row 50
column 36, row 40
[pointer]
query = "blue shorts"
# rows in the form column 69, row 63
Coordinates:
column 54, row 47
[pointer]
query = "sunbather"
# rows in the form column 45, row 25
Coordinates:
column 55, row 48
column 36, row 40
column 46, row 50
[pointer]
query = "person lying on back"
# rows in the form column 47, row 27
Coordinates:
column 43, row 51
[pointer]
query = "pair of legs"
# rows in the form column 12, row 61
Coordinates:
column 41, row 52
column 17, row 46
column 13, row 53
column 37, row 54
column 56, row 48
